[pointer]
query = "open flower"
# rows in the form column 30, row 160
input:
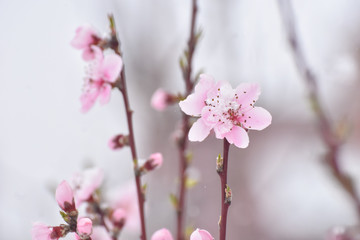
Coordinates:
column 201, row 234
column 103, row 72
column 84, row 38
column 41, row 231
column 162, row 234
column 230, row 112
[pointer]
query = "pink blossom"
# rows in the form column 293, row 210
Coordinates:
column 103, row 73
column 100, row 233
column 86, row 183
column 201, row 234
column 154, row 161
column 84, row 226
column 84, row 38
column 162, row 234
column 40, row 232
column 119, row 215
column 65, row 197
column 230, row 112
column 160, row 100
column 126, row 199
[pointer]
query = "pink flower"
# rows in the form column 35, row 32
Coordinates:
column 86, row 183
column 230, row 112
column 65, row 197
column 85, row 37
column 155, row 161
column 84, row 226
column 41, row 232
column 100, row 233
column 160, row 100
column 162, row 234
column 102, row 74
column 119, row 215
column 201, row 234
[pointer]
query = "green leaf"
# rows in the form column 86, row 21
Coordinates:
column 190, row 183
column 65, row 216
column 174, row 201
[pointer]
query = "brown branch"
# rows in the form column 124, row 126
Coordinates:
column 329, row 136
column 121, row 85
column 189, row 83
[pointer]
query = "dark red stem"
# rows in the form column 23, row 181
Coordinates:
column 330, row 138
column 121, row 85
column 225, row 203
column 189, row 83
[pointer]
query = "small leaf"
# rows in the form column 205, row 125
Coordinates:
column 190, row 183
column 65, row 217
column 189, row 157
column 174, row 201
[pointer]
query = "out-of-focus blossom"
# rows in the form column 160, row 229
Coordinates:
column 162, row 234
column 84, row 38
column 118, row 141
column 84, row 226
column 154, row 161
column 342, row 233
column 103, row 72
column 161, row 99
column 126, row 199
column 65, row 197
column 119, row 217
column 230, row 112
column 100, row 233
column 201, row 234
column 86, row 182
column 40, row 232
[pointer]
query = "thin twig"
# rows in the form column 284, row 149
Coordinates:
column 183, row 164
column 115, row 45
column 329, row 136
column 225, row 200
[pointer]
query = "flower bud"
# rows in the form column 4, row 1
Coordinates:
column 119, row 217
column 155, row 161
column 84, row 227
column 162, row 234
column 118, row 141
column 161, row 99
column 65, row 197
column 201, row 234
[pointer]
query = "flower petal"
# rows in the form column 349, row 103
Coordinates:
column 247, row 95
column 162, row 234
column 111, row 67
column 199, row 131
column 201, row 234
column 195, row 102
column 257, row 118
column 105, row 93
column 84, row 37
column 238, row 136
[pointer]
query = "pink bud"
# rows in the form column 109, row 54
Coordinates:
column 65, row 197
column 201, row 234
column 118, row 142
column 84, row 226
column 160, row 100
column 119, row 217
column 162, row 234
column 40, row 232
column 155, row 161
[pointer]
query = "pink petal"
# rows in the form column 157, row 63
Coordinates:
column 238, row 136
column 88, row 54
column 84, row 226
column 157, row 159
column 201, row 234
column 64, row 194
column 199, row 131
column 195, row 102
column 96, row 69
column 100, row 233
column 40, row 231
column 111, row 67
column 247, row 93
column 119, row 215
column 105, row 93
column 88, row 99
column 257, row 118
column 162, row 234
column 84, row 37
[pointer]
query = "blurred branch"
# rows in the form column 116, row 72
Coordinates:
column 332, row 141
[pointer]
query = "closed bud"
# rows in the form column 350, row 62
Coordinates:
column 118, row 141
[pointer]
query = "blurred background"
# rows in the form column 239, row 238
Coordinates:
column 282, row 189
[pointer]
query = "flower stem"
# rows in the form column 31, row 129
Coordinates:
column 331, row 139
column 121, row 85
column 183, row 163
column 225, row 201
